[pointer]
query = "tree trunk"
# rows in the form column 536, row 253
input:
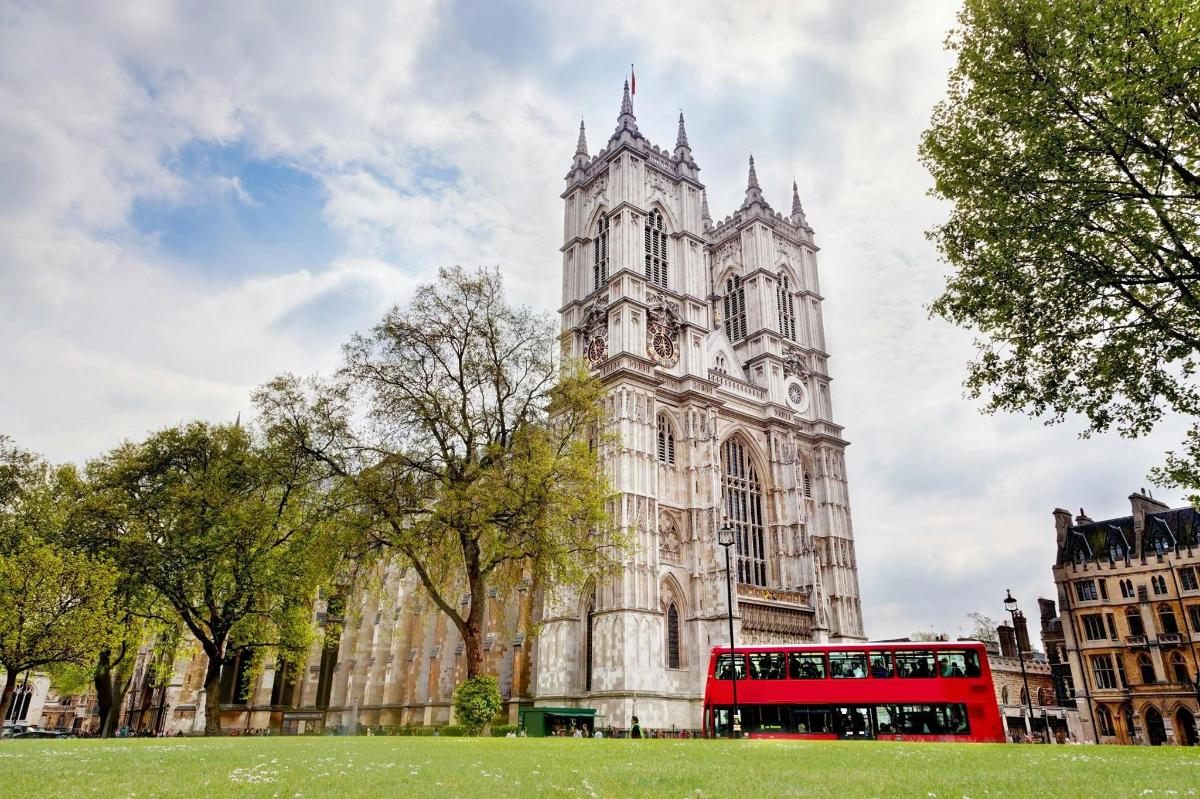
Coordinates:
column 473, row 630
column 212, row 691
column 103, row 680
column 10, row 687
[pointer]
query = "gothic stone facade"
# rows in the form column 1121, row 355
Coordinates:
column 1129, row 592
column 709, row 340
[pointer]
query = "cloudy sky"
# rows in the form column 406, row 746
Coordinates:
column 196, row 196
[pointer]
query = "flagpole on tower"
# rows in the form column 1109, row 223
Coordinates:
column 632, row 80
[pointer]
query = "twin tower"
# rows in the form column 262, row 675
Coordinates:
column 708, row 339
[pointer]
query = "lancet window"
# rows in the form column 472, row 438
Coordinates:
column 656, row 249
column 787, row 308
column 600, row 254
column 735, row 309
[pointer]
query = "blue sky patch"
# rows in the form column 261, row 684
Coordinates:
column 268, row 221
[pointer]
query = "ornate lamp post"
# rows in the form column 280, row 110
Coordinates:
column 1010, row 604
column 725, row 537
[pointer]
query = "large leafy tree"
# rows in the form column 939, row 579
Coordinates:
column 471, row 451
column 52, row 609
column 234, row 537
column 1069, row 148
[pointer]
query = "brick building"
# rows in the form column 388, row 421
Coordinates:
column 1129, row 591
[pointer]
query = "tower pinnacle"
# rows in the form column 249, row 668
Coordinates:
column 705, row 217
column 626, row 120
column 683, row 151
column 753, row 190
column 581, row 146
column 798, row 217
column 581, row 150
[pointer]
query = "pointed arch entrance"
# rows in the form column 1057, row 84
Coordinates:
column 1156, row 731
column 1185, row 727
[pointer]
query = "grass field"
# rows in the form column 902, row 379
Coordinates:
column 495, row 767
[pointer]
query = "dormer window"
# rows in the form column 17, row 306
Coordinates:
column 656, row 250
column 600, row 254
column 735, row 309
column 787, row 308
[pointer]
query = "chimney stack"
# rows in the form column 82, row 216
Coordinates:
column 1022, row 633
column 1008, row 640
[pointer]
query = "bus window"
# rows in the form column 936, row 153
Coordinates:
column 724, row 670
column 958, row 664
column 881, row 664
column 811, row 719
column 932, row 720
column 768, row 718
column 768, row 665
column 885, row 723
column 806, row 666
column 915, row 663
column 847, row 664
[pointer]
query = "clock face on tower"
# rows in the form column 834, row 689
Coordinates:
column 597, row 349
column 660, row 345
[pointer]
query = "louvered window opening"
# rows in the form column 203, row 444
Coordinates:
column 656, row 250
column 807, row 486
column 743, row 510
column 735, row 309
column 666, row 442
column 787, row 309
column 672, row 637
column 600, row 254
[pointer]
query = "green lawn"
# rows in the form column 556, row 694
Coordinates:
column 493, row 767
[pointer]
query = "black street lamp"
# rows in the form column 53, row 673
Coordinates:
column 725, row 537
column 1010, row 604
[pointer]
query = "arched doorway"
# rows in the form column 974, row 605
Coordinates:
column 1155, row 731
column 1185, row 727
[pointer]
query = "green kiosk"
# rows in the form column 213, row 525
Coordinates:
column 542, row 722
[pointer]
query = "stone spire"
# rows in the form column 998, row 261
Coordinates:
column 581, row 149
column 626, row 120
column 798, row 218
column 753, row 190
column 705, row 217
column 683, row 151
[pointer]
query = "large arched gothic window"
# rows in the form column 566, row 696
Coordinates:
column 666, row 441
column 743, row 511
column 787, row 308
column 588, row 643
column 1104, row 717
column 735, row 309
column 656, row 250
column 18, row 708
column 673, row 659
column 600, row 254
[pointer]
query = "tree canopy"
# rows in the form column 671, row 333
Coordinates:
column 234, row 536
column 1069, row 148
column 467, row 445
column 51, row 596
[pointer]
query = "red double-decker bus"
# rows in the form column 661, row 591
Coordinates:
column 897, row 691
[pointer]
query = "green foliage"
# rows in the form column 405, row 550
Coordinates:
column 234, row 536
column 463, row 445
column 477, row 701
column 53, row 613
column 1069, row 147
column 502, row 730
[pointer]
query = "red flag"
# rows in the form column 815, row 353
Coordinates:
column 632, row 81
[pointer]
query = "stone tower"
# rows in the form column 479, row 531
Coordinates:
column 709, row 341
